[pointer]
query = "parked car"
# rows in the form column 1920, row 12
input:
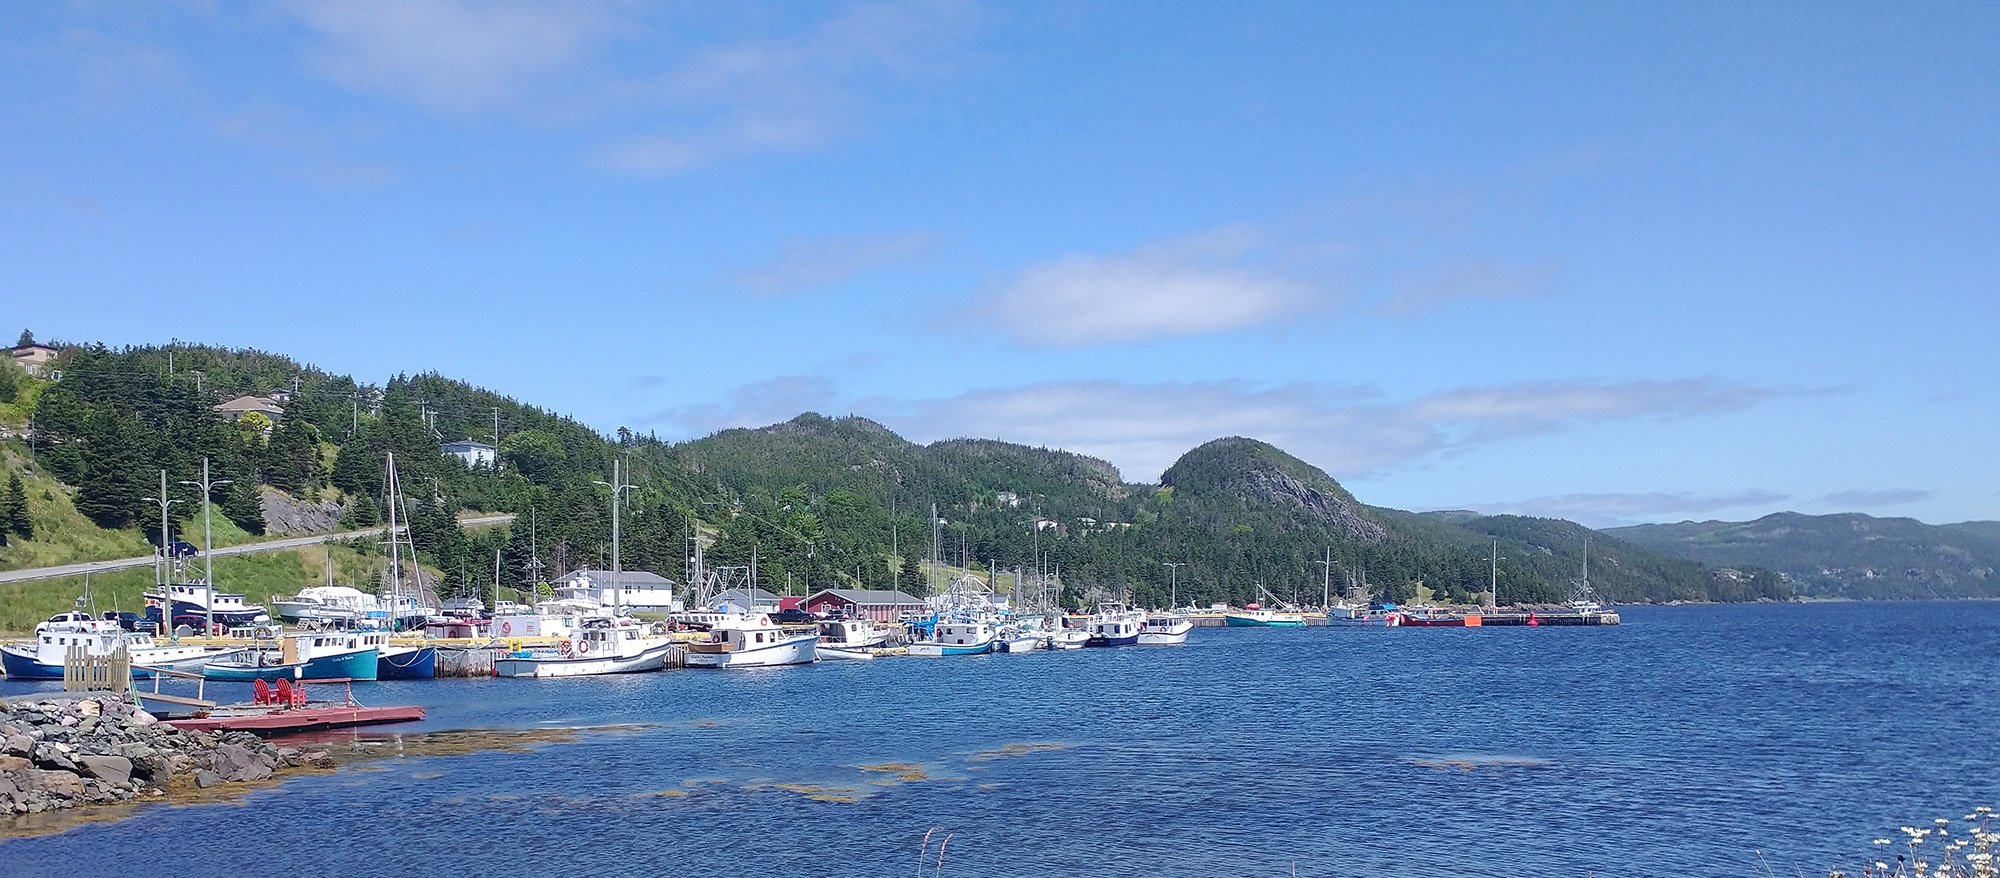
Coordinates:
column 183, row 549
column 128, row 621
column 794, row 616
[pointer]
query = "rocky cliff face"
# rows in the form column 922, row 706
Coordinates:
column 1250, row 475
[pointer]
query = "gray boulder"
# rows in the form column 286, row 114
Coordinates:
column 203, row 779
column 236, row 762
column 110, row 769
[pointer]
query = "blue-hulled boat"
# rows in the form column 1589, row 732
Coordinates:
column 1115, row 625
column 329, row 655
column 42, row 659
column 188, row 600
column 406, row 662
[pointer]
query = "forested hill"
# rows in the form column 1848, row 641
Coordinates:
column 812, row 502
column 1848, row 555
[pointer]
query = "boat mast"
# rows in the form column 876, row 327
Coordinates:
column 395, row 552
column 1495, row 582
column 1326, row 580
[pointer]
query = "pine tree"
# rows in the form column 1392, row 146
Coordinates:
column 14, row 518
column 361, row 513
column 245, row 506
column 114, row 480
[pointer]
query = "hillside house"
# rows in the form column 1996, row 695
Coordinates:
column 631, row 589
column 242, row 406
column 475, row 454
column 35, row 358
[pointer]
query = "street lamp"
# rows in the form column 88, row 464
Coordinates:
column 208, row 539
column 166, row 549
column 1173, row 582
column 618, row 487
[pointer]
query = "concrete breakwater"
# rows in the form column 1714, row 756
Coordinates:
column 61, row 752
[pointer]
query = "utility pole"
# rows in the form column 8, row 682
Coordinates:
column 166, row 552
column 1173, row 582
column 496, row 440
column 1326, row 580
column 1495, row 583
column 208, row 538
column 617, row 486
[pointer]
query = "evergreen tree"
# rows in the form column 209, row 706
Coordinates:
column 245, row 506
column 27, row 338
column 911, row 577
column 292, row 460
column 361, row 513
column 114, row 477
column 14, row 517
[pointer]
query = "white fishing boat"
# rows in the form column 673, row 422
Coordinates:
column 328, row 606
column 850, row 639
column 956, row 637
column 1024, row 636
column 1165, row 629
column 42, row 658
column 1115, row 625
column 602, row 646
column 1069, row 638
column 740, row 640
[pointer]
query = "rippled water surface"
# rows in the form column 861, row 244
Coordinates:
column 1682, row 743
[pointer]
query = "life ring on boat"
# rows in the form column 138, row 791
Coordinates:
column 565, row 647
column 583, row 646
column 263, row 632
column 764, row 620
column 506, row 627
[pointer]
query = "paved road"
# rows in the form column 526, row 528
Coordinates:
column 7, row 576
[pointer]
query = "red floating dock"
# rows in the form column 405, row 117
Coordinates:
column 264, row 720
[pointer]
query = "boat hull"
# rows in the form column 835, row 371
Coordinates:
column 1234, row 621
column 795, row 651
column 1111, row 640
column 406, row 663
column 356, row 665
column 1162, row 638
column 842, row 653
column 21, row 663
column 927, row 648
column 555, row 665
column 1020, row 644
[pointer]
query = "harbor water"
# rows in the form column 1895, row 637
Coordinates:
column 1690, row 741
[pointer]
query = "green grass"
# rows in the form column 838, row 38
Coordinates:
column 62, row 535
column 259, row 577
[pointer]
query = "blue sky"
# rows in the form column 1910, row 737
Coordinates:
column 1614, row 262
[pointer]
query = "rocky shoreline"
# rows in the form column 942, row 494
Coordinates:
column 59, row 752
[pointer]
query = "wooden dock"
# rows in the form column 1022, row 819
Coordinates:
column 269, row 720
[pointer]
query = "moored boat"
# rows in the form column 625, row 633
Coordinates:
column 1115, row 625
column 740, row 640
column 602, row 646
column 1254, row 616
column 956, row 637
column 1165, row 629
column 42, row 658
column 329, row 655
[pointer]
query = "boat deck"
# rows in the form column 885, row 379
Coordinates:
column 267, row 720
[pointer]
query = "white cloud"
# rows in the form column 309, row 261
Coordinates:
column 1862, row 498
column 453, row 56
column 783, row 95
column 1144, row 428
column 808, row 263
column 663, row 111
column 1615, row 510
column 1212, row 282
column 1431, row 287
column 751, row 405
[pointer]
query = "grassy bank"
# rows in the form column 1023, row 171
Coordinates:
column 258, row 577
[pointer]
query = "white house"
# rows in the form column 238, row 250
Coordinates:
column 632, row 589
column 753, row 599
column 475, row 454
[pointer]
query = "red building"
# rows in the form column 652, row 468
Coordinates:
column 863, row 603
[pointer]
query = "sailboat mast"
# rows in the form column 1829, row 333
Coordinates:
column 395, row 553
column 617, row 573
column 1495, row 581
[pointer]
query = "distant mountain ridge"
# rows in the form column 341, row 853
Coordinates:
column 1847, row 555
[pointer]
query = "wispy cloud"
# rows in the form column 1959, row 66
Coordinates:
column 561, row 66
column 1861, row 498
column 1144, row 428
column 1229, row 278
column 1615, row 510
column 751, row 405
column 804, row 263
column 1428, row 288
column 454, row 56
column 783, row 94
